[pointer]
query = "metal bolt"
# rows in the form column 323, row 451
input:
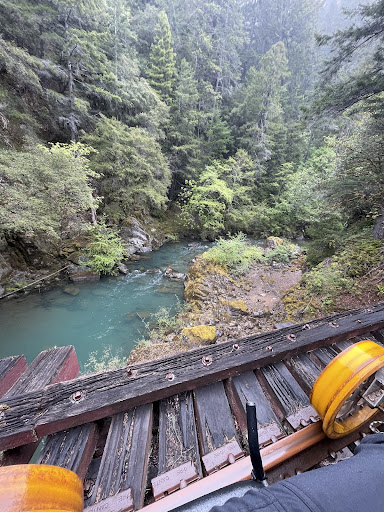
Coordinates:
column 269, row 348
column 207, row 360
column 77, row 396
column 170, row 376
column 306, row 327
column 334, row 324
column 128, row 371
column 358, row 321
column 292, row 337
column 235, row 346
column 231, row 459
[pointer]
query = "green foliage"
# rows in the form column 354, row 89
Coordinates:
column 235, row 253
column 108, row 359
column 135, row 175
column 105, row 249
column 42, row 189
column 283, row 253
column 161, row 72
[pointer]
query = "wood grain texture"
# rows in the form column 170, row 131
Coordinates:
column 11, row 369
column 286, row 389
column 50, row 366
column 246, row 388
column 41, row 413
column 71, row 449
column 214, row 419
column 125, row 458
column 305, row 371
column 177, row 433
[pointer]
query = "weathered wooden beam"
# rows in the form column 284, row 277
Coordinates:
column 49, row 367
column 91, row 397
column 11, row 369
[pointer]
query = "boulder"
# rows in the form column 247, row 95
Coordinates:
column 71, row 290
column 171, row 273
column 272, row 242
column 201, row 333
column 137, row 240
column 78, row 274
column 123, row 269
column 238, row 306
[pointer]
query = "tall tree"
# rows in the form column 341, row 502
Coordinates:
column 161, row 72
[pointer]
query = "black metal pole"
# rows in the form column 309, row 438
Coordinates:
column 253, row 442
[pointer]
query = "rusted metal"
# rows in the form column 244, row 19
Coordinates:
column 272, row 456
column 207, row 360
column 303, row 417
column 221, row 457
column 122, row 502
column 269, row 434
column 177, row 478
column 77, row 396
column 292, row 337
column 170, row 376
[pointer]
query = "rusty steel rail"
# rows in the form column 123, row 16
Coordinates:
column 272, row 456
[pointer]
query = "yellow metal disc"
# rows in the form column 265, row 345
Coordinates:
column 334, row 388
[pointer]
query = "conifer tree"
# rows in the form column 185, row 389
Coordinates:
column 161, row 73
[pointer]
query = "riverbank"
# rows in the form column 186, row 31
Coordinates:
column 222, row 304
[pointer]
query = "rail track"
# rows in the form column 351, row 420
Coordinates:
column 159, row 434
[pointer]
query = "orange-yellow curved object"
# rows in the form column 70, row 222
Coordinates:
column 339, row 379
column 40, row 488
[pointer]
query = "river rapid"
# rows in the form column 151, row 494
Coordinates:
column 107, row 314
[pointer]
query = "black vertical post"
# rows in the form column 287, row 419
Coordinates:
column 253, row 441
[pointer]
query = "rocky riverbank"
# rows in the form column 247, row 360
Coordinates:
column 31, row 264
column 220, row 306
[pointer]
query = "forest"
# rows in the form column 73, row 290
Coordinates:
column 208, row 118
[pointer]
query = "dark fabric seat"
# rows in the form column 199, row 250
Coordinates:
column 353, row 485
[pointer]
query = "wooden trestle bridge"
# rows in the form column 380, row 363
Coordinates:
column 161, row 433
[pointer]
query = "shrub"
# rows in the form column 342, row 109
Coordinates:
column 104, row 361
column 235, row 253
column 105, row 250
column 283, row 253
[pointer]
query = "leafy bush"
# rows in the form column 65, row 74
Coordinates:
column 105, row 361
column 283, row 253
column 105, row 250
column 236, row 253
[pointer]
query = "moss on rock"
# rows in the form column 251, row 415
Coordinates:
column 200, row 333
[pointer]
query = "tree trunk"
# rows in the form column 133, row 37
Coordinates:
column 378, row 229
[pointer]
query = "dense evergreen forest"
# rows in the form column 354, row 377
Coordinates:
column 209, row 117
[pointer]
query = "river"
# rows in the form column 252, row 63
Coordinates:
column 105, row 314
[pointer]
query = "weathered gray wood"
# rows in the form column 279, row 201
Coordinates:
column 325, row 355
column 41, row 413
column 11, row 369
column 305, row 371
column 288, row 392
column 177, row 433
column 246, row 388
column 214, row 418
column 125, row 458
column 71, row 449
column 49, row 367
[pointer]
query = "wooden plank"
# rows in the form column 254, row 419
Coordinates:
column 11, row 369
column 246, row 388
column 214, row 418
column 305, row 371
column 51, row 410
column 125, row 458
column 49, row 367
column 293, row 400
column 72, row 449
column 177, row 433
column 325, row 355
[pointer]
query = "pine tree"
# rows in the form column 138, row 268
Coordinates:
column 161, row 73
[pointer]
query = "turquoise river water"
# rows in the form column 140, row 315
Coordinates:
column 103, row 314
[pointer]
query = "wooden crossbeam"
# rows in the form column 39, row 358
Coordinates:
column 91, row 397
